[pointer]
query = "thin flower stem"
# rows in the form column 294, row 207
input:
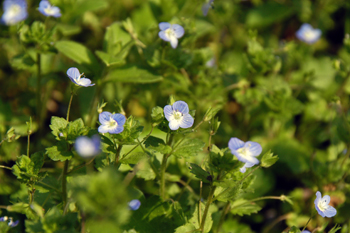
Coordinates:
column 3, row 207
column 80, row 166
column 200, row 202
column 222, row 218
column 117, row 155
column 28, row 145
column 149, row 134
column 312, row 215
column 49, row 186
column 2, row 166
column 163, row 168
column 38, row 89
column 64, row 182
column 207, row 205
column 69, row 105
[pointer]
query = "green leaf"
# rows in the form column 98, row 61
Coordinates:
column 200, row 173
column 243, row 207
column 58, row 124
column 134, row 158
column 132, row 74
column 157, row 144
column 268, row 159
column 79, row 53
column 294, row 229
column 60, row 152
column 22, row 208
column 189, row 147
column 157, row 115
column 27, row 169
column 334, row 229
column 38, row 161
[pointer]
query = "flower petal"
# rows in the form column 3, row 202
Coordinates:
column 178, row 30
column 326, row 199
column 246, row 165
column 168, row 112
column 134, row 204
column 235, row 144
column 44, row 4
column 104, row 117
column 119, row 118
column 103, row 129
column 254, row 148
column 205, row 9
column 163, row 26
column 330, row 212
column 116, row 129
column 186, row 121
column 163, row 36
column 173, row 42
column 85, row 82
column 174, row 125
column 181, row 106
column 73, row 73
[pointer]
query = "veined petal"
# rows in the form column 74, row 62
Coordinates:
column 8, row 3
column 246, row 165
column 104, row 117
column 173, row 42
column 254, row 148
column 85, row 82
column 73, row 73
column 205, row 9
column 44, row 4
column 326, row 199
column 119, row 118
column 306, row 27
column 116, row 129
column 103, row 129
column 163, row 36
column 235, row 144
column 330, row 212
column 181, row 106
column 186, row 121
column 174, row 125
column 168, row 112
column 178, row 30
column 163, row 26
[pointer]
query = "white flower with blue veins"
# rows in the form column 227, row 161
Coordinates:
column 47, row 9
column 245, row 152
column 178, row 115
column 77, row 78
column 322, row 205
column 14, row 11
column 171, row 32
column 308, row 34
column 111, row 123
column 88, row 147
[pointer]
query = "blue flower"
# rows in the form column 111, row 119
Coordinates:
column 171, row 32
column 207, row 6
column 308, row 34
column 46, row 9
column 111, row 123
column 178, row 115
column 14, row 11
column 11, row 223
column 322, row 207
column 134, row 204
column 305, row 231
column 87, row 147
column 4, row 219
column 75, row 76
column 245, row 152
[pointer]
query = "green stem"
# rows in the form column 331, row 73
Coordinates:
column 312, row 215
column 28, row 145
column 2, row 166
column 162, row 176
column 49, row 186
column 139, row 143
column 222, row 218
column 64, row 183
column 80, row 166
column 117, row 154
column 38, row 89
column 69, row 105
column 207, row 205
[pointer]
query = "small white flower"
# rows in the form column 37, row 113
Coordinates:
column 171, row 32
column 86, row 147
column 14, row 11
column 47, row 9
column 322, row 207
column 111, row 123
column 308, row 34
column 77, row 78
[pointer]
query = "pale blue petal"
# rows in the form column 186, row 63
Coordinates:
column 181, row 106
column 56, row 12
column 134, row 204
column 9, row 17
column 235, row 144
column 85, row 82
column 179, row 30
column 104, row 117
column 306, row 27
column 326, row 199
column 8, row 3
column 73, row 73
column 13, row 224
column 330, row 212
column 163, row 36
column 174, row 125
column 205, row 9
column 163, row 26
column 103, row 129
column 186, row 121
column 44, row 4
column 168, row 112
column 116, row 130
column 119, row 118
column 173, row 42
column 254, row 148
column 86, row 147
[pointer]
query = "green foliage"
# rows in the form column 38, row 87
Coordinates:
column 27, row 169
column 133, row 74
column 188, row 147
column 200, row 173
column 268, row 159
column 243, row 207
column 294, row 230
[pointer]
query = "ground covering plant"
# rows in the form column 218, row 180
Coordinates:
column 174, row 116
